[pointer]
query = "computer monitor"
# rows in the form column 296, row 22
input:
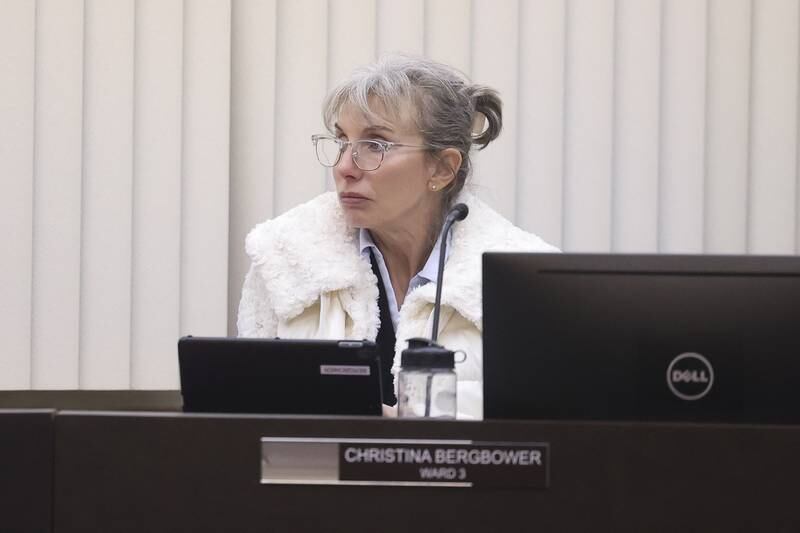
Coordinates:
column 642, row 337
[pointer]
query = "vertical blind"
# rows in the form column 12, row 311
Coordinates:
column 141, row 139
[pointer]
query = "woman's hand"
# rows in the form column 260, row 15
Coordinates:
column 390, row 410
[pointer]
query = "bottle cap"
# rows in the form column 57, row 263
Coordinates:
column 422, row 353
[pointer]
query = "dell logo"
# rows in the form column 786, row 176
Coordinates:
column 690, row 376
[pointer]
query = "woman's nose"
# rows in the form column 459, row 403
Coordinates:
column 347, row 165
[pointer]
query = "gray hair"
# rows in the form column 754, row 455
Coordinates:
column 445, row 106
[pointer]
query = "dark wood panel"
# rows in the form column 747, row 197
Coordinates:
column 26, row 470
column 201, row 473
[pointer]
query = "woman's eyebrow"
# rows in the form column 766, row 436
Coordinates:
column 372, row 128
column 376, row 128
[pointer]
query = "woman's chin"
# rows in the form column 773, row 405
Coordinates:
column 356, row 220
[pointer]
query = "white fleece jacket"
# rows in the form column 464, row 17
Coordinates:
column 308, row 280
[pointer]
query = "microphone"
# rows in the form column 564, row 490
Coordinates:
column 424, row 356
column 458, row 212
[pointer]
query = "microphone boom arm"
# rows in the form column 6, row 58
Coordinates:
column 458, row 212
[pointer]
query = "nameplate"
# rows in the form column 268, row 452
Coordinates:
column 404, row 462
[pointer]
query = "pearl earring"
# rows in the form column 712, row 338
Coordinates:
column 433, row 187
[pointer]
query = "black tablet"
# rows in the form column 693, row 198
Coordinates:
column 279, row 376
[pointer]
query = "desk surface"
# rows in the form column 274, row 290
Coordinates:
column 117, row 400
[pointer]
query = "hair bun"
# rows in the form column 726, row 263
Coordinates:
column 479, row 124
column 487, row 119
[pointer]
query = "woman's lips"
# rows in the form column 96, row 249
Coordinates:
column 352, row 199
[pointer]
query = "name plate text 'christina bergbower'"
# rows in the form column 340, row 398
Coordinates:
column 406, row 462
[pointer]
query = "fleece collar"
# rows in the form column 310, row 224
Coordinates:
column 310, row 250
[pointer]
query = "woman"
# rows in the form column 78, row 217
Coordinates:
column 400, row 135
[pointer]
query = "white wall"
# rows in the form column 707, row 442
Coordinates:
column 141, row 139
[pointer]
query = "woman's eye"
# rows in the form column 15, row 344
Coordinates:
column 375, row 146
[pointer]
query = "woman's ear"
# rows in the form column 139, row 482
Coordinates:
column 448, row 161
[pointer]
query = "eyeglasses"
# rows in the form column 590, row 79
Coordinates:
column 367, row 154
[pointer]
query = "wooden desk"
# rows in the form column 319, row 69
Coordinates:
column 173, row 472
column 26, row 470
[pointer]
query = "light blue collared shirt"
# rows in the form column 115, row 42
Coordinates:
column 428, row 274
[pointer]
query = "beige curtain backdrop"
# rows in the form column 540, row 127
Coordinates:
column 141, row 139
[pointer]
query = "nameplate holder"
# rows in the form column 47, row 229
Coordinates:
column 404, row 462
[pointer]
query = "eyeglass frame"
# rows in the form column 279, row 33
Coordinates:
column 385, row 147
